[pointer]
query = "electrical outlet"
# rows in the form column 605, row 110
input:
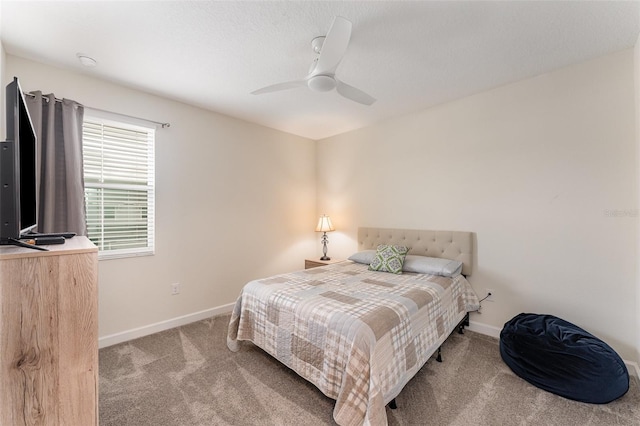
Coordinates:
column 492, row 297
column 175, row 289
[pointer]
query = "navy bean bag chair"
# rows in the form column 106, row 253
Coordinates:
column 562, row 358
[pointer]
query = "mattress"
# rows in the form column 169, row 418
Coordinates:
column 358, row 335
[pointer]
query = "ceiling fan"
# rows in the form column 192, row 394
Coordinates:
column 322, row 74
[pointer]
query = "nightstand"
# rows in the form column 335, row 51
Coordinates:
column 314, row 263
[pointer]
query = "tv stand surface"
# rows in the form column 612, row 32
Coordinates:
column 15, row 242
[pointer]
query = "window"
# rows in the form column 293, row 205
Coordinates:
column 119, row 188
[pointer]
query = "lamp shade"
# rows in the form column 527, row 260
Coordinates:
column 324, row 224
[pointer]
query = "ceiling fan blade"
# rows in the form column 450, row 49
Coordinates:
column 354, row 94
column 334, row 46
column 280, row 86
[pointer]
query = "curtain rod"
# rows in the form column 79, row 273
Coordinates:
column 163, row 125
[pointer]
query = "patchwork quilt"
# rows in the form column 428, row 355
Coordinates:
column 358, row 335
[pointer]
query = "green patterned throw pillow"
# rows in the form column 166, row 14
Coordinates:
column 389, row 259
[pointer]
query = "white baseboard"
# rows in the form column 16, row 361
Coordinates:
column 113, row 339
column 489, row 330
column 146, row 330
column 633, row 367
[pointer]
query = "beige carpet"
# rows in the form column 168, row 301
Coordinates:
column 187, row 376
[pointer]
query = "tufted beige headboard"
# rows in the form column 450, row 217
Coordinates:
column 455, row 245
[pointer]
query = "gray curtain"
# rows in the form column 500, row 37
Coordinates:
column 58, row 126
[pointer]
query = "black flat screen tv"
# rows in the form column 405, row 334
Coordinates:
column 18, row 192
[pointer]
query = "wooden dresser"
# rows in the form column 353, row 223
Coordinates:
column 49, row 335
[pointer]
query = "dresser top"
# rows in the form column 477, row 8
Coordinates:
column 73, row 245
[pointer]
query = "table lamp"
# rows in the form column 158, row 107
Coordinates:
column 324, row 225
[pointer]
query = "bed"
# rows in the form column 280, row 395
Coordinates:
column 358, row 335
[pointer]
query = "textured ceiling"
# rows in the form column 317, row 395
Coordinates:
column 408, row 55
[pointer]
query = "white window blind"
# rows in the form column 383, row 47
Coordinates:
column 119, row 182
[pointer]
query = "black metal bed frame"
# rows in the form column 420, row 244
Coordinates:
column 460, row 327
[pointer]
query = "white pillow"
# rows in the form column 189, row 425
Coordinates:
column 365, row 256
column 432, row 265
column 418, row 264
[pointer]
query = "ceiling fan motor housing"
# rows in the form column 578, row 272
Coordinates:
column 321, row 83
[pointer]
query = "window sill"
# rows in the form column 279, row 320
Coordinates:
column 121, row 255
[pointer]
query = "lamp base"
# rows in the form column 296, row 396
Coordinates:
column 325, row 241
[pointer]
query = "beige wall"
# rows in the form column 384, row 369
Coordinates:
column 235, row 201
column 543, row 171
column 636, row 69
